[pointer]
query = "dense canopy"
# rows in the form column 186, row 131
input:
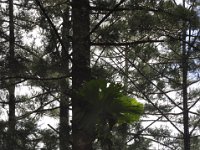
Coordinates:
column 99, row 74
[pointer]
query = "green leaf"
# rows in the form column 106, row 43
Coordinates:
column 103, row 101
column 131, row 110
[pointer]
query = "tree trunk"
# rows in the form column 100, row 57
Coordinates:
column 82, row 138
column 11, row 87
column 186, row 135
column 64, row 99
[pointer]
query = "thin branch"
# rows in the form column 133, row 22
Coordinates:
column 156, row 141
column 163, row 136
column 148, row 99
column 147, row 79
column 195, row 126
column 126, row 43
column 53, row 128
column 105, row 17
column 194, row 104
column 34, row 78
column 52, row 26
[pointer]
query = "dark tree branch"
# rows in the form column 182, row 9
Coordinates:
column 34, row 78
column 53, row 128
column 52, row 26
column 147, row 79
column 106, row 16
column 126, row 43
column 156, row 141
column 160, row 111
column 195, row 126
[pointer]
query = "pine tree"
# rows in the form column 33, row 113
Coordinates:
column 150, row 45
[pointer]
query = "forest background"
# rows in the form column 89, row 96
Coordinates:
column 69, row 54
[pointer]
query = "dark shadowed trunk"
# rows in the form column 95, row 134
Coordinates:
column 11, row 87
column 186, row 135
column 82, row 138
column 64, row 99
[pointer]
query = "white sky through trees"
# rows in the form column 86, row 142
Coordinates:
column 28, row 90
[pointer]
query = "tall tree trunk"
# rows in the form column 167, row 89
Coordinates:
column 11, row 87
column 185, row 96
column 64, row 85
column 82, row 138
column 186, row 135
column 185, row 99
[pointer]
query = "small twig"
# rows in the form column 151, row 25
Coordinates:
column 53, row 128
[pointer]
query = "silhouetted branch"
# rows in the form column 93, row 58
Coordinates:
column 106, row 16
column 52, row 26
column 125, row 43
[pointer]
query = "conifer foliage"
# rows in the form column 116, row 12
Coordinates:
column 114, row 74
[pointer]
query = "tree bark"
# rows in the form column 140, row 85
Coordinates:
column 82, row 138
column 11, row 87
column 64, row 132
column 186, row 135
